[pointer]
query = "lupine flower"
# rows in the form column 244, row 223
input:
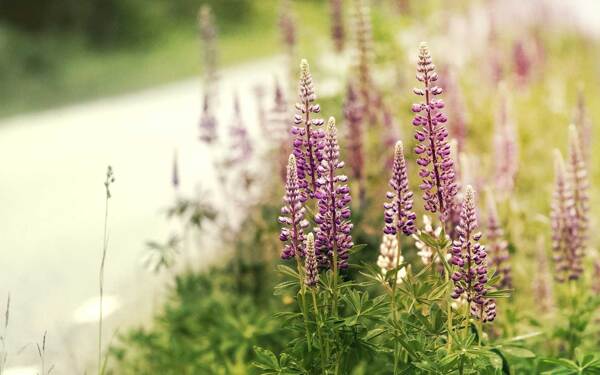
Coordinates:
column 307, row 139
column 579, row 182
column 496, row 71
column 241, row 145
column 390, row 258
column 311, row 270
column 542, row 283
column 208, row 38
column 425, row 252
column 506, row 153
column 208, row 123
column 337, row 23
column 564, row 225
column 333, row 194
column 433, row 151
column 469, row 256
column 259, row 95
column 364, row 58
column 398, row 214
column 354, row 114
column 292, row 215
column 498, row 246
column 583, row 121
column 521, row 61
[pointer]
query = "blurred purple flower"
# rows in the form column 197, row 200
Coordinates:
column 336, row 8
column 567, row 261
column 292, row 215
column 354, row 115
column 584, row 124
column 333, row 194
column 506, row 149
column 307, row 141
column 542, row 282
column 521, row 62
column 398, row 214
column 208, row 123
column 241, row 145
column 433, row 151
column 457, row 123
column 498, row 246
column 287, row 26
column 364, row 59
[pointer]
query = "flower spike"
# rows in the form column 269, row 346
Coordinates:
column 398, row 214
column 292, row 215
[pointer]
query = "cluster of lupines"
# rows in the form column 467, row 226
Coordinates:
column 398, row 214
column 333, row 194
column 469, row 256
column 498, row 246
column 353, row 114
column 564, row 225
column 505, row 147
column 337, row 24
column 307, row 139
column 292, row 215
column 390, row 257
column 434, row 155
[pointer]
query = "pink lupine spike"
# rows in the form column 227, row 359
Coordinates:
column 292, row 215
column 436, row 167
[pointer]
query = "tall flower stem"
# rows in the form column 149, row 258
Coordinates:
column 319, row 334
column 109, row 179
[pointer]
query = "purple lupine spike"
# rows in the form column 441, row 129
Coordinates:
column 469, row 256
column 506, row 152
column 292, row 215
column 337, row 24
column 498, row 246
column 578, row 180
column 208, row 38
column 564, row 224
column 354, row 115
column 542, row 282
column 583, row 121
column 311, row 270
column 433, row 151
column 333, row 194
column 398, row 213
column 241, row 144
column 307, row 140
column 208, row 123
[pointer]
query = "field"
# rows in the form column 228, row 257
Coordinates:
column 417, row 196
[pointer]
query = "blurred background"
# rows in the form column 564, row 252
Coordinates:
column 127, row 83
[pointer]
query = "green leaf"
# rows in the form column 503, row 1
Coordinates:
column 517, row 352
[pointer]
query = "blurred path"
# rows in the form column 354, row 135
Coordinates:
column 52, row 199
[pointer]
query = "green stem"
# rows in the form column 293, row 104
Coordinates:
column 303, row 301
column 319, row 335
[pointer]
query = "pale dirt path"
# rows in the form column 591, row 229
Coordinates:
column 52, row 199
